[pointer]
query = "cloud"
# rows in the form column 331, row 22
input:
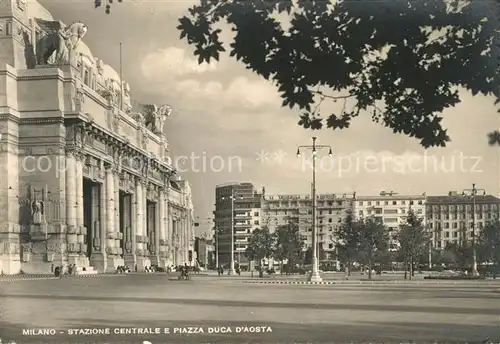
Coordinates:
column 240, row 92
column 172, row 62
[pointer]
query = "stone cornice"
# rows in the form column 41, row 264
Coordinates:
column 46, row 120
column 9, row 117
column 28, row 74
column 11, row 72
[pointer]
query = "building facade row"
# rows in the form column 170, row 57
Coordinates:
column 86, row 180
column 448, row 218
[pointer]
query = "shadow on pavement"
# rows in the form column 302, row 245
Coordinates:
column 281, row 332
column 267, row 304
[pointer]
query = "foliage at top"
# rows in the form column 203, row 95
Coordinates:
column 381, row 56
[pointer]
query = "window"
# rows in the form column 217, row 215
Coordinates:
column 360, row 203
column 256, row 222
column 420, row 202
column 386, row 203
column 377, row 203
column 446, row 234
column 454, row 225
column 256, row 213
column 369, row 203
column 329, row 220
column 330, row 246
column 446, row 225
column 394, row 202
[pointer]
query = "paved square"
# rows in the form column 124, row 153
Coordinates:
column 467, row 311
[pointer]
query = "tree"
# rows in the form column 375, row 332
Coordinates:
column 348, row 239
column 261, row 246
column 413, row 240
column 459, row 255
column 352, row 50
column 373, row 241
column 307, row 256
column 489, row 240
column 289, row 245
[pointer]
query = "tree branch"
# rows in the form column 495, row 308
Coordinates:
column 332, row 97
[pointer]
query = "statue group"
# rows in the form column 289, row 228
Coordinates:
column 57, row 42
column 154, row 117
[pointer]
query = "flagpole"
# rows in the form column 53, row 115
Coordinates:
column 121, row 78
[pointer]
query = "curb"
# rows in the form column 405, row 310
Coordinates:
column 361, row 283
column 15, row 278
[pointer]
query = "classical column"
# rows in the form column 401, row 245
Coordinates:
column 170, row 236
column 116, row 183
column 97, row 258
column 161, row 227
column 166, row 224
column 158, row 223
column 133, row 224
column 144, row 202
column 79, row 201
column 102, row 217
column 71, row 214
column 110, row 212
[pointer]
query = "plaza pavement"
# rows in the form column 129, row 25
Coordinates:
column 466, row 311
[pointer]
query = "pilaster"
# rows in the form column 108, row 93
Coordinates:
column 10, row 260
column 71, row 208
column 129, row 255
column 81, row 230
column 118, row 236
column 111, row 251
column 98, row 258
column 142, row 260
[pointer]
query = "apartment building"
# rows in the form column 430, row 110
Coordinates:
column 241, row 203
column 450, row 218
column 331, row 209
column 391, row 209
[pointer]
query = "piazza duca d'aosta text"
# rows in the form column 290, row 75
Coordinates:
column 85, row 179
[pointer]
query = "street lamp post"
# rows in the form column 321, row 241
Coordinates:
column 232, row 270
column 472, row 193
column 216, row 247
column 315, row 276
column 231, row 267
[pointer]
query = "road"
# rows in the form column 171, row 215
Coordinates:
column 467, row 311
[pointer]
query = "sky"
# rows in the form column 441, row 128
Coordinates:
column 233, row 120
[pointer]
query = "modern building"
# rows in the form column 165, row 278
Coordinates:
column 391, row 209
column 331, row 210
column 450, row 218
column 205, row 252
column 85, row 179
column 241, row 203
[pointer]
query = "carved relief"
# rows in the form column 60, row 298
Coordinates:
column 22, row 4
column 115, row 120
column 38, row 212
column 79, row 98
